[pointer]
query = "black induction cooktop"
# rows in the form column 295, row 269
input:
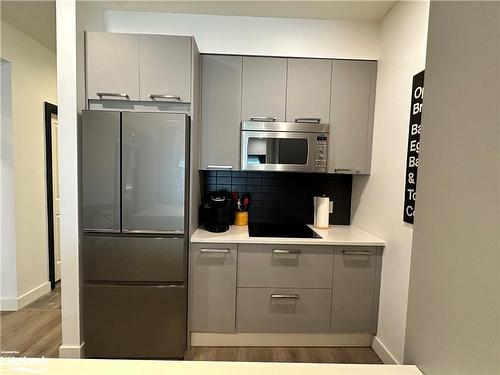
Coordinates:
column 293, row 230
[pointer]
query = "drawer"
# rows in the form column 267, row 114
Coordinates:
column 123, row 321
column 286, row 266
column 283, row 310
column 145, row 259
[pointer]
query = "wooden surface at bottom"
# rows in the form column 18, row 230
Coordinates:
column 284, row 354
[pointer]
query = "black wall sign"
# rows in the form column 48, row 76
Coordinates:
column 417, row 97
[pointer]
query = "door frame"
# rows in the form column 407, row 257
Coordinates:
column 50, row 109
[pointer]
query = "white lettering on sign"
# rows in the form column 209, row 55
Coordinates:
column 417, row 108
column 409, row 211
column 414, row 145
column 418, row 93
column 413, row 161
column 415, row 129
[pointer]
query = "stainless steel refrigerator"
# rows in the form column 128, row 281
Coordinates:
column 134, row 186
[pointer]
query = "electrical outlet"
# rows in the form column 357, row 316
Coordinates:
column 331, row 207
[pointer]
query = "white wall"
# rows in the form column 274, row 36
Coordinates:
column 68, row 177
column 454, row 302
column 377, row 200
column 257, row 35
column 8, row 272
column 33, row 82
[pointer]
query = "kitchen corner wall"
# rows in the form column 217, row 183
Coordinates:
column 285, row 197
column 33, row 81
column 377, row 200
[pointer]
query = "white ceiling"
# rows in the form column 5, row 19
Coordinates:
column 37, row 18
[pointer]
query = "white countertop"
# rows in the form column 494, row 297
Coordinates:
column 140, row 367
column 335, row 235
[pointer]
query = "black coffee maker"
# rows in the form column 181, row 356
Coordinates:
column 216, row 211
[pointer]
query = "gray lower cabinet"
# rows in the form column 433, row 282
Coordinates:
column 351, row 116
column 308, row 90
column 285, row 266
column 263, row 88
column 221, row 112
column 112, row 65
column 356, row 280
column 165, row 68
column 283, row 310
column 213, row 297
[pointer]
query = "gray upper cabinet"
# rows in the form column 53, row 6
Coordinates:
column 264, row 88
column 351, row 114
column 213, row 297
column 221, row 112
column 356, row 277
column 112, row 66
column 308, row 90
column 165, row 68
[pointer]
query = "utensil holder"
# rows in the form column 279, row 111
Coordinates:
column 241, row 218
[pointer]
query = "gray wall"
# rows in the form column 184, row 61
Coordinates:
column 453, row 324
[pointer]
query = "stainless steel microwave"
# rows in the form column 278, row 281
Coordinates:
column 284, row 146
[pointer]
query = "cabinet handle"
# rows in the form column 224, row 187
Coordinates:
column 314, row 120
column 161, row 96
column 218, row 251
column 283, row 251
column 219, row 166
column 346, row 170
column 263, row 118
column 352, row 252
column 288, row 296
column 112, row 94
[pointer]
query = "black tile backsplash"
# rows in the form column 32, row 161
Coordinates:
column 285, row 197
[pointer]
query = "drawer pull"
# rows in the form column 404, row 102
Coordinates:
column 285, row 296
column 351, row 252
column 164, row 96
column 263, row 118
column 283, row 251
column 112, row 94
column 217, row 251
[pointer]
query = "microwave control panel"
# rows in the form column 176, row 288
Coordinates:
column 321, row 151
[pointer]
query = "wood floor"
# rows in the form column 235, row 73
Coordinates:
column 33, row 331
column 288, row 354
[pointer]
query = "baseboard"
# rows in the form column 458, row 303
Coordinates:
column 8, row 304
column 384, row 354
column 33, row 295
column 281, row 339
column 71, row 351
column 14, row 304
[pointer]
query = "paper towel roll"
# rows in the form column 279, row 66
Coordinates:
column 321, row 212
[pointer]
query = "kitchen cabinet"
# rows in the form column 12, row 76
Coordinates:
column 221, row 112
column 355, row 289
column 283, row 310
column 351, row 116
column 165, row 68
column 295, row 266
column 213, row 298
column 112, row 66
column 263, row 88
column 308, row 90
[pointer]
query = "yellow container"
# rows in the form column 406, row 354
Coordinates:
column 241, row 218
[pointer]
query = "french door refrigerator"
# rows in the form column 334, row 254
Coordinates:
column 134, row 243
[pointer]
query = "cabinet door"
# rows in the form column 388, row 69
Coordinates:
column 101, row 171
column 112, row 65
column 355, row 279
column 264, row 88
column 213, row 287
column 351, row 128
column 308, row 90
column 165, row 68
column 221, row 112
